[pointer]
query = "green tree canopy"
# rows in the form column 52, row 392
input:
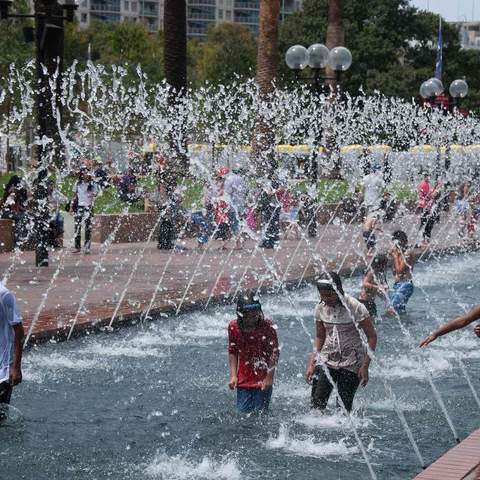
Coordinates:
column 229, row 51
column 393, row 45
column 122, row 43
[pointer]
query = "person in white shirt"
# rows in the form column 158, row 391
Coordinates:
column 84, row 192
column 236, row 192
column 339, row 352
column 373, row 188
column 11, row 337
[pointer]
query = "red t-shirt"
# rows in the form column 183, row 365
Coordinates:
column 257, row 352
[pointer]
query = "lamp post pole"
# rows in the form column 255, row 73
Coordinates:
column 318, row 57
column 49, row 39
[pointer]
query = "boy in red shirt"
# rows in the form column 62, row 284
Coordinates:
column 252, row 355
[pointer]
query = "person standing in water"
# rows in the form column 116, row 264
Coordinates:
column 11, row 337
column 455, row 324
column 374, row 284
column 252, row 355
column 338, row 345
column 403, row 259
column 84, row 193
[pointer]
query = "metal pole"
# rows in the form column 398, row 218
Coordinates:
column 49, row 54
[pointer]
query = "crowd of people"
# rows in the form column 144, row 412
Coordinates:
column 234, row 207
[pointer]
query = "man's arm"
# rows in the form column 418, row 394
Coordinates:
column 371, row 334
column 233, row 364
column 320, row 336
column 456, row 324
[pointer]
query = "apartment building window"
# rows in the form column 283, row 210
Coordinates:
column 105, row 5
column 83, row 18
column 228, row 15
column 126, row 5
column 134, row 6
column 220, row 14
column 106, row 17
column 84, row 4
column 201, row 13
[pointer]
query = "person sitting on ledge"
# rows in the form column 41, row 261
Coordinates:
column 252, row 355
column 455, row 324
column 11, row 337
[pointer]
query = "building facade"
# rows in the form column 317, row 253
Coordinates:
column 201, row 14
column 469, row 34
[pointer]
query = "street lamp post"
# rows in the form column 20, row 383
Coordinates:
column 49, row 18
column 318, row 57
column 433, row 88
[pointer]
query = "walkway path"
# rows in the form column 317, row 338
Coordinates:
column 460, row 463
column 214, row 274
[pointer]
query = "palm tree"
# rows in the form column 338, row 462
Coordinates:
column 175, row 63
column 335, row 32
column 175, row 44
column 267, row 68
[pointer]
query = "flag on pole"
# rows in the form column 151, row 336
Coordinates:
column 439, row 62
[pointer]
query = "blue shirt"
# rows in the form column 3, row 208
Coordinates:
column 9, row 317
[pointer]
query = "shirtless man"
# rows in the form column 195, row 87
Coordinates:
column 403, row 260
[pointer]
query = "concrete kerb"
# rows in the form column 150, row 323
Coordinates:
column 100, row 325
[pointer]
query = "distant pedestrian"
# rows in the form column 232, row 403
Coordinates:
column 128, row 186
column 13, row 206
column 236, row 192
column 84, row 192
column 11, row 348
column 373, row 188
column 270, row 208
column 428, row 207
column 252, row 355
column 374, row 284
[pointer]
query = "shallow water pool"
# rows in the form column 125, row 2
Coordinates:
column 151, row 401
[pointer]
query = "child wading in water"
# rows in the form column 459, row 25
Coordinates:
column 403, row 259
column 374, row 283
column 371, row 225
column 252, row 355
column 338, row 346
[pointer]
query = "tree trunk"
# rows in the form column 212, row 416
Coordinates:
column 49, row 32
column 263, row 142
column 175, row 44
column 335, row 34
column 335, row 38
column 175, row 61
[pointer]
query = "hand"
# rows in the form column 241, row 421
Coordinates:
column 232, row 384
column 15, row 377
column 309, row 374
column 363, row 375
column 266, row 384
column 477, row 330
column 428, row 340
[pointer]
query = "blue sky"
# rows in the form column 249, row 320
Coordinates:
column 451, row 10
